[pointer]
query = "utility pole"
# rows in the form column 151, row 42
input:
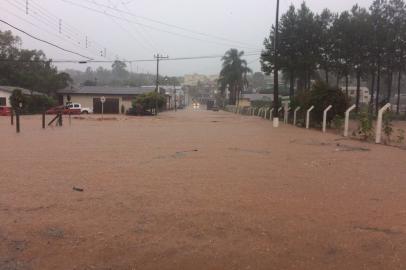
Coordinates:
column 275, row 75
column 158, row 57
column 174, row 90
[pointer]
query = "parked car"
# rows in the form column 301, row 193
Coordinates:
column 5, row 111
column 76, row 106
column 72, row 108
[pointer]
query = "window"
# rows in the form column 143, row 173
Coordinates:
column 76, row 105
column 3, row 101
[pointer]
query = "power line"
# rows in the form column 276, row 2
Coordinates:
column 148, row 26
column 166, row 24
column 40, row 19
column 129, row 61
column 44, row 41
column 147, row 38
column 67, row 28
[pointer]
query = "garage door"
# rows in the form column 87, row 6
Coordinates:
column 110, row 106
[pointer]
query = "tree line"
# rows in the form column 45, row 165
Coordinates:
column 368, row 44
column 29, row 69
column 118, row 75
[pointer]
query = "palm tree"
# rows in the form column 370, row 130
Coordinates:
column 233, row 74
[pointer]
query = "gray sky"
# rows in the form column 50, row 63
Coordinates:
column 233, row 23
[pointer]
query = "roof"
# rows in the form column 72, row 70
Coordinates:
column 107, row 90
column 10, row 89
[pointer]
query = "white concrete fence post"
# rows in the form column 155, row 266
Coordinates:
column 270, row 114
column 325, row 117
column 379, row 122
column 294, row 115
column 286, row 115
column 308, row 117
column 276, row 119
column 347, row 119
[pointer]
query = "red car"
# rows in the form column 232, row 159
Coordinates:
column 5, row 111
column 63, row 109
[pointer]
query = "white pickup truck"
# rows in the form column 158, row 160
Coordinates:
column 77, row 107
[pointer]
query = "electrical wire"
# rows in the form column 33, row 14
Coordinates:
column 44, row 22
column 130, row 61
column 66, row 27
column 164, row 23
column 44, row 41
column 143, row 34
column 149, row 26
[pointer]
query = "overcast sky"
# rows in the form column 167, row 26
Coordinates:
column 138, row 29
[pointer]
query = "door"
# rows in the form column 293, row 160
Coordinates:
column 111, row 106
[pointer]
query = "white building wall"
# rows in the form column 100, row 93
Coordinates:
column 6, row 94
column 87, row 100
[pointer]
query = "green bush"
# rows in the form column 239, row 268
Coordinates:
column 38, row 104
column 338, row 122
column 31, row 104
column 320, row 96
column 261, row 103
column 387, row 125
column 365, row 125
column 16, row 98
column 400, row 136
column 149, row 101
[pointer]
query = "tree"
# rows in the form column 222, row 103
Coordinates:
column 28, row 68
column 16, row 99
column 325, row 21
column 341, row 48
column 148, row 101
column 288, row 47
column 299, row 47
column 233, row 74
column 119, row 70
column 360, row 37
column 257, row 81
column 320, row 96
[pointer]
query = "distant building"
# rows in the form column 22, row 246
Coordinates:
column 246, row 99
column 402, row 103
column 170, row 92
column 6, row 91
column 364, row 97
column 116, row 97
column 195, row 79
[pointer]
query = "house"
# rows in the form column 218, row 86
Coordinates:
column 6, row 91
column 246, row 99
column 118, row 99
column 364, row 97
column 171, row 93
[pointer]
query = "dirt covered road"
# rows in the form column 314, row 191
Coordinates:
column 197, row 190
